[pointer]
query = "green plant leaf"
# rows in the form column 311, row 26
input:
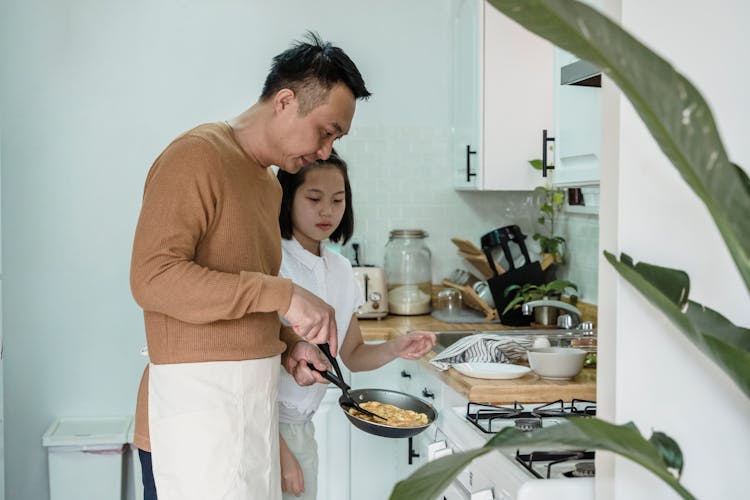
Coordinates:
column 669, row 450
column 657, row 455
column 537, row 164
column 725, row 343
column 430, row 480
column 558, row 198
column 670, row 106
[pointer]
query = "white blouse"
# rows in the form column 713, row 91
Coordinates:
column 331, row 278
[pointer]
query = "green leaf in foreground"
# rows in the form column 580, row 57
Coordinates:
column 725, row 343
column 432, row 479
column 581, row 433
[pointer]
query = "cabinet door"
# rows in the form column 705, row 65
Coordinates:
column 375, row 460
column 578, row 125
column 467, row 104
column 332, row 432
column 502, row 99
column 517, row 102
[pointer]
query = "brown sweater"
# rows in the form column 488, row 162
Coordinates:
column 206, row 253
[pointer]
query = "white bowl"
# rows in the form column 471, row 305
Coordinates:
column 556, row 363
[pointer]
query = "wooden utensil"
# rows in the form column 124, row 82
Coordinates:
column 466, row 246
column 481, row 264
column 471, row 299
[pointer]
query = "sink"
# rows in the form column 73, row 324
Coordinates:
column 445, row 339
column 556, row 336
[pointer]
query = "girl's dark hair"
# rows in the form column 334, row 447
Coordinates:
column 290, row 183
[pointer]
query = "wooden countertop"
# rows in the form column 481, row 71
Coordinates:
column 528, row 389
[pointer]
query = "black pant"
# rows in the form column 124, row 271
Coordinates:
column 147, row 474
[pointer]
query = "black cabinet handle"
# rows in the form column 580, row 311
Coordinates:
column 545, row 140
column 412, row 454
column 427, row 393
column 469, row 173
column 405, row 374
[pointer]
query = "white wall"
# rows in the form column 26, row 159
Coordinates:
column 90, row 93
column 661, row 381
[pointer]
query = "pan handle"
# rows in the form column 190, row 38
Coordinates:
column 331, row 378
column 335, row 364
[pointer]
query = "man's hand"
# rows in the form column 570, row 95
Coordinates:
column 413, row 345
column 312, row 319
column 296, row 364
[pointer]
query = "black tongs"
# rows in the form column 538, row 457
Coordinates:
column 338, row 379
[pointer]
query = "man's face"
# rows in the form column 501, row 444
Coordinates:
column 303, row 139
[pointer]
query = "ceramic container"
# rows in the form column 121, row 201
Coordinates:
column 556, row 363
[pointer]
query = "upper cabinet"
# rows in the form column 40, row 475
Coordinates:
column 502, row 100
column 577, row 121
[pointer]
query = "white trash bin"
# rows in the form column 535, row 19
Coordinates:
column 85, row 456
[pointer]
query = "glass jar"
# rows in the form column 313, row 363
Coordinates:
column 408, row 272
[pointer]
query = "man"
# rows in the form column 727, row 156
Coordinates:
column 206, row 253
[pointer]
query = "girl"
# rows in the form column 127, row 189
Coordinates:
column 317, row 205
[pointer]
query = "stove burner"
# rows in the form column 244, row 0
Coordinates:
column 553, row 458
column 528, row 424
column 583, row 469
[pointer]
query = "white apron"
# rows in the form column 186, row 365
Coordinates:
column 214, row 430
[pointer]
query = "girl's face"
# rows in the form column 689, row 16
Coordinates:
column 318, row 206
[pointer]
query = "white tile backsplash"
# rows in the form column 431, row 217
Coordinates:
column 402, row 179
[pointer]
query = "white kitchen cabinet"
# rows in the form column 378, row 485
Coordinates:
column 377, row 463
column 578, row 125
column 332, row 432
column 577, row 114
column 502, row 101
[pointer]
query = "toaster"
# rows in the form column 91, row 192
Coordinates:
column 372, row 282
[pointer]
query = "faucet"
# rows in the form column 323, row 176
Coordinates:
column 528, row 308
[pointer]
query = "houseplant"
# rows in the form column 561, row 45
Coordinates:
column 528, row 292
column 681, row 122
column 551, row 205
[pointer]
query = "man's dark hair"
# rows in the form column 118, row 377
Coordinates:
column 310, row 68
column 290, row 183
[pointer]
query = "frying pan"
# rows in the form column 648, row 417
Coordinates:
column 395, row 398
column 351, row 399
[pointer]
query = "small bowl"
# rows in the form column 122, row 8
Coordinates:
column 556, row 363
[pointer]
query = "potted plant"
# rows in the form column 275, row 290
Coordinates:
column 543, row 315
column 552, row 201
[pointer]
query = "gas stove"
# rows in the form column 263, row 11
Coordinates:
column 524, row 474
column 541, row 463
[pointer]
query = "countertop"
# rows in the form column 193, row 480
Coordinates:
column 528, row 389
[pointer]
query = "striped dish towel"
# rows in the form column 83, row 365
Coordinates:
column 483, row 348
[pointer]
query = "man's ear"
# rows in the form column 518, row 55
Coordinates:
column 283, row 99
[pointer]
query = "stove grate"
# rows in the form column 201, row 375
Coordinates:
column 552, row 458
column 483, row 414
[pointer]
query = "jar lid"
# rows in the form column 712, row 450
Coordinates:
column 408, row 233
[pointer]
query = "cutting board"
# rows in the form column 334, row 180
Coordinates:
column 530, row 388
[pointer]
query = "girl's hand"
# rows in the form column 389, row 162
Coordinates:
column 413, row 345
column 292, row 479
